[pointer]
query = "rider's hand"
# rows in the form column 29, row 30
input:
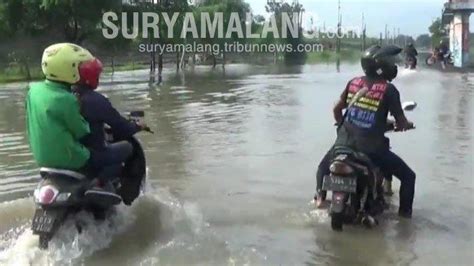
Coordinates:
column 406, row 126
column 142, row 125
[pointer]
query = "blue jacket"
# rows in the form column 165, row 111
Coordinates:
column 98, row 110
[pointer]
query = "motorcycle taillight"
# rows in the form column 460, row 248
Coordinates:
column 341, row 168
column 46, row 195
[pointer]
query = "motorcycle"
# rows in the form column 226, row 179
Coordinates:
column 436, row 57
column 410, row 62
column 62, row 193
column 356, row 185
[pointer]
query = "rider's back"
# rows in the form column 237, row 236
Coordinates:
column 55, row 126
column 366, row 119
column 98, row 110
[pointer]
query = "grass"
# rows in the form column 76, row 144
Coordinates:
column 15, row 74
column 331, row 56
column 127, row 67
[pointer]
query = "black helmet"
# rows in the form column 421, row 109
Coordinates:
column 380, row 62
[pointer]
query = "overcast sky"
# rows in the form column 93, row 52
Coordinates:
column 413, row 17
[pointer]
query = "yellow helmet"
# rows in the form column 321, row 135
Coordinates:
column 60, row 62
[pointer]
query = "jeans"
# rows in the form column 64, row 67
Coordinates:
column 108, row 162
column 389, row 162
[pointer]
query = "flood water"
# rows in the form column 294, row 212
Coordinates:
column 232, row 174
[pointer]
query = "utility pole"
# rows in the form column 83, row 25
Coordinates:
column 364, row 44
column 386, row 33
column 339, row 18
column 394, row 35
column 399, row 40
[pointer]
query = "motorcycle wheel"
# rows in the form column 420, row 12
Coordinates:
column 44, row 241
column 429, row 61
column 337, row 221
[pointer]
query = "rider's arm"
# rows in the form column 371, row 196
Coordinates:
column 395, row 108
column 120, row 126
column 74, row 121
column 340, row 106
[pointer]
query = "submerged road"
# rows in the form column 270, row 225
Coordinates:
column 231, row 174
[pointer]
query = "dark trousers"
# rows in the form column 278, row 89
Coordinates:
column 389, row 162
column 107, row 163
column 323, row 170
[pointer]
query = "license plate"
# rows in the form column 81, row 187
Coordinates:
column 44, row 220
column 339, row 183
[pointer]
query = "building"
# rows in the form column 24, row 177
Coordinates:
column 456, row 15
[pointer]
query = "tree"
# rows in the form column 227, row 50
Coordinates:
column 277, row 8
column 212, row 7
column 77, row 19
column 423, row 40
column 437, row 32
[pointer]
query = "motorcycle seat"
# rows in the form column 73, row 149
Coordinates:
column 357, row 159
column 45, row 171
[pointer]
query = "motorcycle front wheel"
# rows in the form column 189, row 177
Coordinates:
column 430, row 61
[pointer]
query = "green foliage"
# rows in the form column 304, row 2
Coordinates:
column 423, row 40
column 277, row 8
column 74, row 19
column 437, row 32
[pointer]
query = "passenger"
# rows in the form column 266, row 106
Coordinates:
column 97, row 110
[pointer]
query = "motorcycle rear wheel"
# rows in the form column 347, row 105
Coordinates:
column 337, row 221
column 44, row 241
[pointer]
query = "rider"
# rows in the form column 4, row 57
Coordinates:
column 411, row 52
column 98, row 110
column 55, row 125
column 363, row 125
column 443, row 53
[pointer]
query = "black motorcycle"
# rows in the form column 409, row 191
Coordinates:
column 62, row 193
column 410, row 62
column 443, row 59
column 356, row 185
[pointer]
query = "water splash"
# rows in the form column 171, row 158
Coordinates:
column 156, row 218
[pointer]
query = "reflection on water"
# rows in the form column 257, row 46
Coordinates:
column 239, row 147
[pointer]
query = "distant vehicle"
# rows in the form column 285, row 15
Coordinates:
column 410, row 62
column 437, row 57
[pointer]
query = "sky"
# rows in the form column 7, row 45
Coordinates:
column 413, row 17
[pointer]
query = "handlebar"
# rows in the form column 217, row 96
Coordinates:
column 391, row 126
column 137, row 116
column 147, row 129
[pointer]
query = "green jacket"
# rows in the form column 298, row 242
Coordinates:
column 55, row 126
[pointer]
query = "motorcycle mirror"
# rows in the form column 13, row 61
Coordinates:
column 409, row 106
